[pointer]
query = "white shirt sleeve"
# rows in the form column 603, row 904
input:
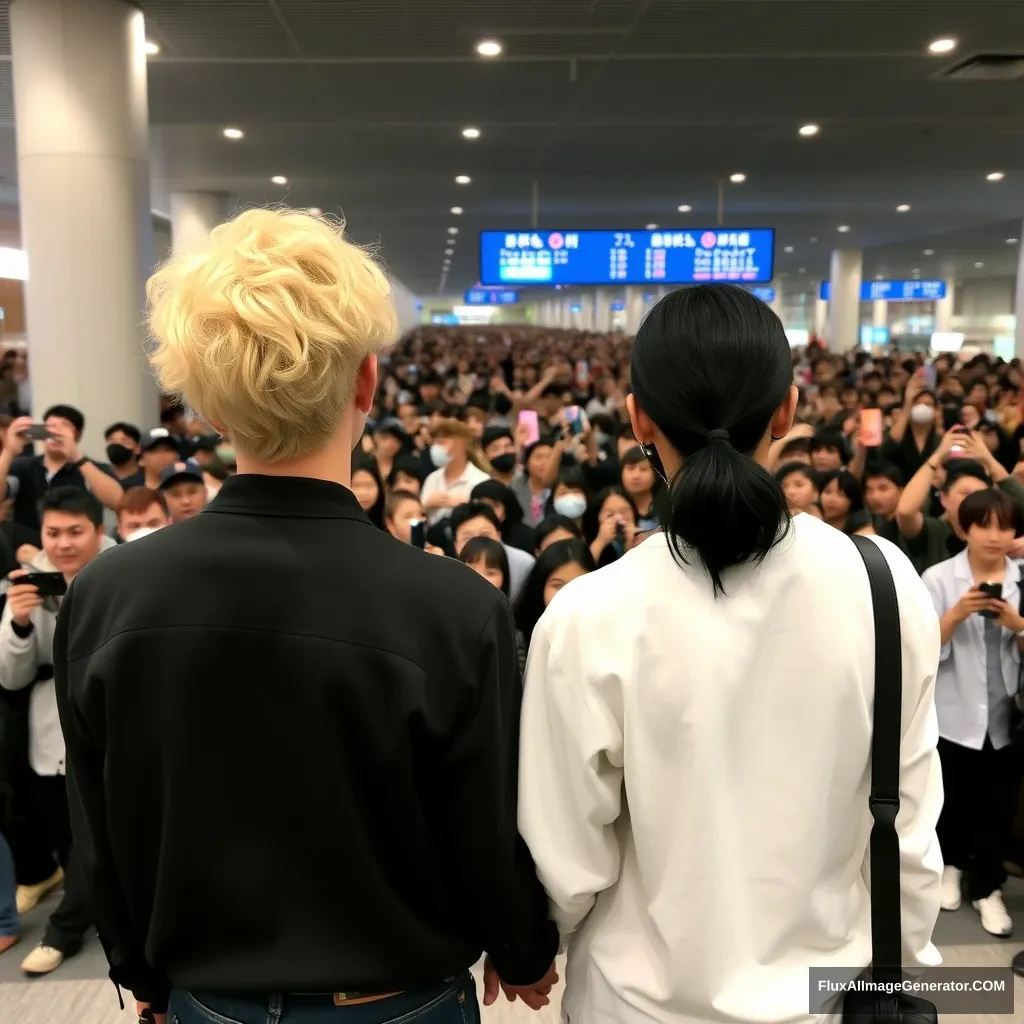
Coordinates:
column 570, row 784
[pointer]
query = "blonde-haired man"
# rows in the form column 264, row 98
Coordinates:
column 312, row 789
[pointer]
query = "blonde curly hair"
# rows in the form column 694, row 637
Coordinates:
column 264, row 331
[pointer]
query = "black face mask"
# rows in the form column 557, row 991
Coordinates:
column 504, row 463
column 118, row 455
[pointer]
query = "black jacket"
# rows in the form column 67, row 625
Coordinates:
column 292, row 746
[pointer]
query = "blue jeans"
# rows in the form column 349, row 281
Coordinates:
column 453, row 1002
column 8, row 889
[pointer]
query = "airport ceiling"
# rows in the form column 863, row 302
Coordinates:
column 620, row 110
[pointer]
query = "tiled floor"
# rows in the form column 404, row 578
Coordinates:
column 78, row 992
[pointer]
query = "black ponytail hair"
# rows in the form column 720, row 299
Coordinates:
column 711, row 366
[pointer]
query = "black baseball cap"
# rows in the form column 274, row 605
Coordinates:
column 158, row 437
column 187, row 470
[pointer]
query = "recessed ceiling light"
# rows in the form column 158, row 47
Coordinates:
column 929, row 252
column 995, row 176
column 843, row 228
column 809, row 129
column 651, row 227
column 449, row 252
column 233, row 133
column 462, row 179
column 944, row 45
column 738, row 178
column 279, row 179
column 916, row 270
column 813, row 238
column 903, row 208
column 1012, row 241
column 801, row 270
column 879, row 277
column 978, row 265
column 488, row 48
column 788, row 248
column 456, row 210
column 453, row 231
column 314, row 211
column 471, row 133
column 685, row 208
column 152, row 49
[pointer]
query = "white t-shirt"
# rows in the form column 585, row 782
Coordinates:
column 461, row 487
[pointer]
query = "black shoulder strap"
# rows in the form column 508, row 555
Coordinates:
column 886, row 941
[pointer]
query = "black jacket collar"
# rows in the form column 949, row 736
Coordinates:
column 297, row 497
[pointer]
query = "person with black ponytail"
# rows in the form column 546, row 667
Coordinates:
column 717, row 680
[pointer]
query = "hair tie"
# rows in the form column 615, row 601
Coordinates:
column 719, row 434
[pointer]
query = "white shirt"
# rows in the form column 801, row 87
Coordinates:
column 961, row 689
column 694, row 778
column 461, row 487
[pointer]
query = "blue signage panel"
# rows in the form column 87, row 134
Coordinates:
column 483, row 297
column 764, row 294
column 576, row 308
column 592, row 258
column 618, row 306
column 896, row 291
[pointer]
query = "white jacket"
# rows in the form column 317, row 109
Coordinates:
column 694, row 779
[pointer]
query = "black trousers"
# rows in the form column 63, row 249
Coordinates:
column 49, row 811
column 33, row 855
column 980, row 800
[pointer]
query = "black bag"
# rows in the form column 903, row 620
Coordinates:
column 886, row 930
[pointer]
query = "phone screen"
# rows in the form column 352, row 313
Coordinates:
column 931, row 376
column 871, row 428
column 994, row 590
column 574, row 416
column 529, row 419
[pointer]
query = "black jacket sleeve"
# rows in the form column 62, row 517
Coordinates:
column 489, row 863
column 82, row 707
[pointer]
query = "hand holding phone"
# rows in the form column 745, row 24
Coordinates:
column 418, row 534
column 993, row 591
column 530, row 423
column 871, row 428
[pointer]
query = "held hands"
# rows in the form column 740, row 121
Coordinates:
column 976, row 600
column 22, row 598
column 19, row 428
column 535, row 996
column 1006, row 615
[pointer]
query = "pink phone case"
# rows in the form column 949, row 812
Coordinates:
column 528, row 417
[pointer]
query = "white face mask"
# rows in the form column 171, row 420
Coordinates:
column 922, row 413
column 439, row 455
column 572, row 506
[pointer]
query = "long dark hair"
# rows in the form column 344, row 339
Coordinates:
column 711, row 366
column 368, row 464
column 530, row 606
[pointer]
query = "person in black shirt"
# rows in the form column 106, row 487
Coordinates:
column 61, row 465
column 296, row 803
column 124, row 443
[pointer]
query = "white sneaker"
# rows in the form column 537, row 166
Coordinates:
column 42, row 960
column 994, row 918
column 949, row 898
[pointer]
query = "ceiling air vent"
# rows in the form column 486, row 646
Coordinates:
column 987, row 67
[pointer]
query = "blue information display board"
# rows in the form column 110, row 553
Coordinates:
column 896, row 291
column 618, row 306
column 764, row 294
column 591, row 258
column 483, row 297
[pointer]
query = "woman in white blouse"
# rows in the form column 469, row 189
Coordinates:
column 696, row 730
column 981, row 640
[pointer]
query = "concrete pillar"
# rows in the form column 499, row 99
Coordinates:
column 779, row 302
column 820, row 317
column 879, row 313
column 79, row 69
column 634, row 309
column 586, row 314
column 602, row 311
column 1018, row 308
column 844, row 300
column 193, row 216
column 944, row 308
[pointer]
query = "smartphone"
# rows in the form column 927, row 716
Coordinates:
column 528, row 418
column 574, row 417
column 49, row 584
column 871, row 428
column 995, row 591
column 418, row 534
column 37, row 432
column 620, row 530
column 931, row 376
column 950, row 416
column 582, row 373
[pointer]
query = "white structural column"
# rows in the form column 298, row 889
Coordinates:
column 879, row 313
column 944, row 308
column 1018, row 331
column 586, row 314
column 79, row 71
column 634, row 309
column 602, row 311
column 193, row 216
column 844, row 300
column 820, row 317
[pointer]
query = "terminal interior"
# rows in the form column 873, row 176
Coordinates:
column 878, row 147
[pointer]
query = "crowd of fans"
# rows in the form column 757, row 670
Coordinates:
column 509, row 448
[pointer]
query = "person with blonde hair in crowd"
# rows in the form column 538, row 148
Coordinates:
column 300, row 807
